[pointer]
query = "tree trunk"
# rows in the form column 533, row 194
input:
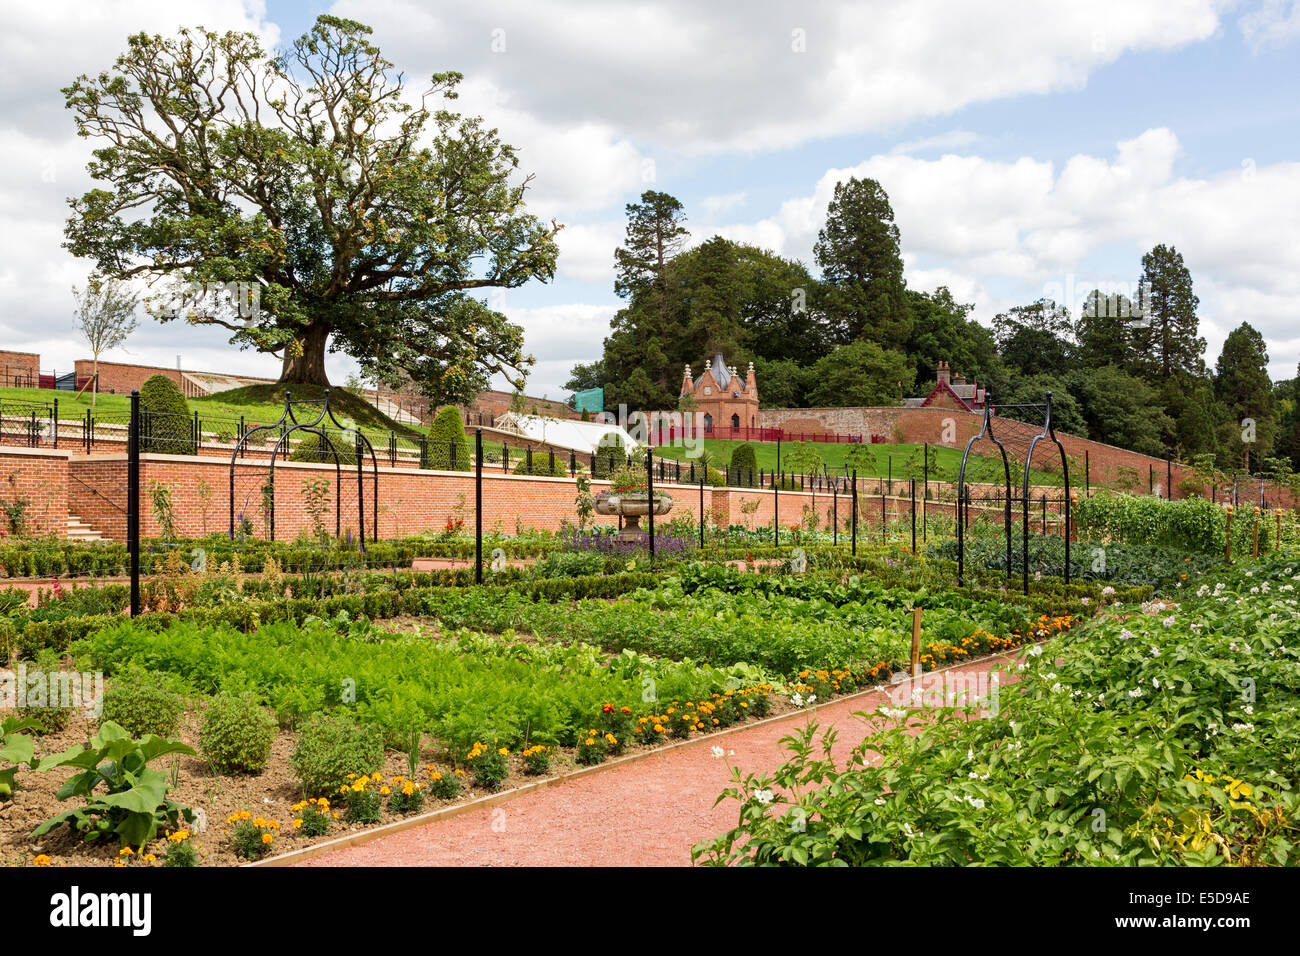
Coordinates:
column 309, row 367
column 94, row 381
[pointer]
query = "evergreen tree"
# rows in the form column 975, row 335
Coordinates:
column 862, row 268
column 1104, row 331
column 1165, row 337
column 710, row 298
column 1242, row 386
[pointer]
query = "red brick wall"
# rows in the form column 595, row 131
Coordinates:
column 97, row 493
column 119, row 378
column 20, row 369
column 410, row 501
column 946, row 427
column 42, row 478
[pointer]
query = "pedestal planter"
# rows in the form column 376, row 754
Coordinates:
column 632, row 507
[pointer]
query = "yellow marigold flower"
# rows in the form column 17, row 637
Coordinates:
column 384, row 791
column 267, row 838
column 126, row 851
column 297, row 824
column 42, row 860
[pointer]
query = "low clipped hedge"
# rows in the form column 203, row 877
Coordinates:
column 27, row 638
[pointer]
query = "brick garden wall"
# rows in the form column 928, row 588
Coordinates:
column 40, row 477
column 119, row 378
column 945, row 427
column 20, row 368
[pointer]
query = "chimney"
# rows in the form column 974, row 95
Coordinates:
column 943, row 373
column 959, row 379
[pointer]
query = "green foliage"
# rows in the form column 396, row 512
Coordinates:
column 570, row 564
column 144, row 703
column 133, row 803
column 400, row 309
column 48, row 719
column 542, row 466
column 331, row 746
column 164, row 512
column 861, row 373
column 488, row 764
column 858, row 253
column 167, row 426
column 447, row 448
column 308, row 446
column 1242, row 386
column 236, row 733
column 1126, row 742
column 15, row 748
column 744, row 463
column 444, row 786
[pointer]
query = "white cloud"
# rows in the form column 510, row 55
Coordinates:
column 1022, row 224
column 953, row 139
column 704, row 78
column 1274, row 23
column 587, row 251
column 714, row 205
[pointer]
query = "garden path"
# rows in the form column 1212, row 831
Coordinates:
column 647, row 812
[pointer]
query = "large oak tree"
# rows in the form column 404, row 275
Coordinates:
column 365, row 215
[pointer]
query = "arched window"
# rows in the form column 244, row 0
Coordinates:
column 708, row 422
column 735, row 421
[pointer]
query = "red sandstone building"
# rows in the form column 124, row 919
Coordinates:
column 725, row 399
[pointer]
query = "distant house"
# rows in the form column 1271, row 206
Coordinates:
column 725, row 399
column 951, row 391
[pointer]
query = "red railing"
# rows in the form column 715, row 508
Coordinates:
column 670, row 434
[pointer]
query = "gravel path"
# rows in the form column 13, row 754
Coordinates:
column 645, row 813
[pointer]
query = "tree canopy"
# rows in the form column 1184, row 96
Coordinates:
column 357, row 215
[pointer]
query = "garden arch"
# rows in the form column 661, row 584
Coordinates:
column 1021, row 495
column 319, row 426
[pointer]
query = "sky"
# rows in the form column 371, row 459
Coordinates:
column 1028, row 149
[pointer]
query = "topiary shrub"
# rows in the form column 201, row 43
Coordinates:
column 542, row 467
column 743, row 459
column 309, row 447
column 611, row 446
column 166, row 424
column 447, row 448
column 143, row 702
column 330, row 747
column 236, row 733
column 743, row 465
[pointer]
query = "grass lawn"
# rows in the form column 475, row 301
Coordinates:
column 886, row 459
column 259, row 404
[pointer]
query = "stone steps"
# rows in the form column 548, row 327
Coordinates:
column 80, row 531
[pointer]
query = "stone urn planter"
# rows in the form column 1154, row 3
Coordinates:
column 632, row 506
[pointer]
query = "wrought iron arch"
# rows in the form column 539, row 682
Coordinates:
column 963, row 494
column 1049, row 431
column 287, row 424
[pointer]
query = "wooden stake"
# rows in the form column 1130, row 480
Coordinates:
column 1227, row 552
column 1255, row 533
column 1278, row 546
column 916, row 642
